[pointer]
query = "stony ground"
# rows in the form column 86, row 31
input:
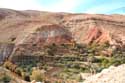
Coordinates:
column 110, row 75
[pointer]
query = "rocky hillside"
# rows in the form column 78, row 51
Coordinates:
column 30, row 30
column 110, row 75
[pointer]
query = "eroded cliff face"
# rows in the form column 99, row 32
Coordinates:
column 49, row 34
column 96, row 28
column 31, row 30
column 44, row 35
column 5, row 51
column 97, row 35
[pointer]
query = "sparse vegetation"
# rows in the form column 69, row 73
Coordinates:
column 80, row 59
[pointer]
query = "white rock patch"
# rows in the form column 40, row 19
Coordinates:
column 110, row 75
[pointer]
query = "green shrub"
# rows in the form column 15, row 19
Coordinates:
column 105, row 63
column 6, row 79
column 18, row 71
column 79, row 78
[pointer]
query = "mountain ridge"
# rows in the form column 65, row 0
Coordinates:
column 34, row 29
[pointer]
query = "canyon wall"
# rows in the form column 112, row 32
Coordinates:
column 31, row 30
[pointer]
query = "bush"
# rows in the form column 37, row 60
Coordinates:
column 105, row 63
column 79, row 78
column 18, row 71
column 92, row 58
column 9, row 65
column 6, row 79
column 51, row 49
column 37, row 75
column 118, row 58
column 25, row 76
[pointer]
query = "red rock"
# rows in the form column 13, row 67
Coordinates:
column 97, row 35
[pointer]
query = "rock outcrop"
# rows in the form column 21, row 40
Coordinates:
column 84, row 25
column 97, row 35
column 48, row 34
column 110, row 75
column 5, row 51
